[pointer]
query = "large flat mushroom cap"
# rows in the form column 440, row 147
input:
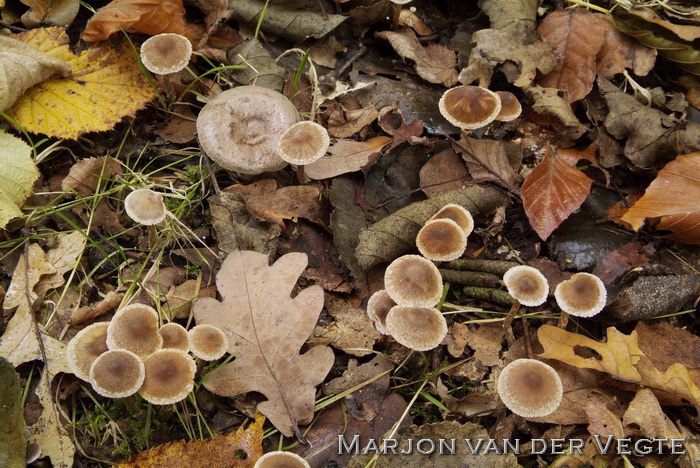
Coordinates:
column 169, row 376
column 530, row 388
column 417, row 328
column 117, row 373
column 85, row 347
column 582, row 295
column 413, row 281
column 469, row 107
column 510, row 106
column 145, row 206
column 135, row 328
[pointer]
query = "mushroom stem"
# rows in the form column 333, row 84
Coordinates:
column 471, row 278
column 489, row 294
column 563, row 320
column 152, row 236
column 508, row 322
column 496, row 267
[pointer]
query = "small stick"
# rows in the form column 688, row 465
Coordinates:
column 496, row 267
column 563, row 320
column 471, row 278
column 507, row 324
column 489, row 294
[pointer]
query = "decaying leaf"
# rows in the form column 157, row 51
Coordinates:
column 434, row 63
column 673, row 197
column 443, row 172
column 17, row 176
column 552, row 192
column 645, row 413
column 145, row 16
column 50, row 12
column 257, row 65
column 86, row 175
column 345, row 123
column 492, row 160
column 621, row 260
column 547, row 101
column 106, row 85
column 13, row 443
column 266, row 329
column 239, row 449
column 346, row 156
column 620, row 52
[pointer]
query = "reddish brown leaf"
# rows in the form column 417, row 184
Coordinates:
column 552, row 192
column 492, row 160
column 145, row 16
column 620, row 260
column 443, row 172
column 577, row 36
column 620, row 51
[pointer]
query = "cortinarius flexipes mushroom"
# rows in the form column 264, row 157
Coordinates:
column 530, row 388
column 413, row 281
column 166, row 53
column 527, row 285
column 583, row 295
column 469, row 107
column 85, row 347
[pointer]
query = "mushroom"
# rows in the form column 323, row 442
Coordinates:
column 527, row 285
column 145, row 206
column 166, row 53
column 459, row 215
column 169, row 376
column 510, row 107
column 582, row 295
column 378, row 307
column 117, row 373
column 441, row 240
column 413, row 281
column 135, row 328
column 174, row 336
column 281, row 460
column 207, row 342
column 469, row 107
column 303, row 143
column 417, row 328
column 530, row 388
column 240, row 128
column 85, row 347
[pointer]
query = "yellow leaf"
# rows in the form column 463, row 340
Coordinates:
column 17, row 176
column 106, row 85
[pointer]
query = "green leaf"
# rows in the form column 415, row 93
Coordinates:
column 17, row 176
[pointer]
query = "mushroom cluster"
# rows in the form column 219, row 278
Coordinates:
column 470, row 107
column 131, row 354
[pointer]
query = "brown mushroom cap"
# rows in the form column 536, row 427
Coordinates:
column 135, row 328
column 441, row 240
column 85, row 347
column 169, row 376
column 417, row 328
column 166, row 53
column 510, row 106
column 582, row 295
column 240, row 128
column 117, row 373
column 378, row 307
column 207, row 342
column 174, row 336
column 303, row 143
column 145, row 206
column 281, row 460
column 527, row 285
column 459, row 215
column 413, row 281
column 469, row 107
column 530, row 388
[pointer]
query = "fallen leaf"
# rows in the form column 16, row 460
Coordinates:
column 546, row 101
column 552, row 192
column 492, row 160
column 179, row 299
column 89, row 312
column 645, row 413
column 256, row 66
column 50, row 12
column 347, row 219
column 13, row 443
column 145, row 16
column 182, row 127
column 323, row 51
column 435, row 63
column 620, row 52
column 86, row 175
column 265, row 330
column 443, row 172
column 63, row 256
column 621, row 260
column 344, row 124
column 239, row 449
column 106, row 85
column 687, row 32
column 485, row 340
column 356, row 374
column 672, row 197
column 410, row 19
column 17, row 176
column 456, row 339
column 23, row 66
column 577, row 36
column 346, row 156
column 654, row 337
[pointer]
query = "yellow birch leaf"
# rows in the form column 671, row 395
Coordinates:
column 17, row 176
column 106, row 84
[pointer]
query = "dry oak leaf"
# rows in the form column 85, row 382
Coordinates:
column 645, row 412
column 86, row 175
column 106, row 85
column 50, row 12
column 434, row 63
column 145, row 16
column 266, row 328
column 552, row 192
column 17, row 176
column 346, row 156
column 222, row 452
column 673, row 196
column 577, row 36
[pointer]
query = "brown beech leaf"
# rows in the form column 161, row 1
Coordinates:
column 552, row 192
column 434, row 63
column 621, row 260
column 266, row 329
column 86, row 175
column 145, row 16
column 673, row 196
column 443, row 172
column 344, row 124
column 346, row 156
column 620, row 51
column 492, row 160
column 50, row 12
column 577, row 36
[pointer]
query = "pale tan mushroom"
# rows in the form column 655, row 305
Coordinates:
column 174, row 336
column 510, row 107
column 85, row 347
column 530, row 388
column 169, row 376
column 145, row 206
column 135, row 328
column 378, row 306
column 441, row 240
column 469, row 107
column 207, row 342
column 117, row 373
column 303, row 143
column 413, row 281
column 281, row 460
column 526, row 285
column 417, row 328
column 459, row 215
column 166, row 53
column 582, row 295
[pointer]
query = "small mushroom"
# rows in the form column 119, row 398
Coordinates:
column 117, row 373
column 166, row 53
column 207, row 342
column 469, row 107
column 417, row 328
column 85, row 347
column 582, row 295
column 527, row 285
column 174, row 336
column 240, row 128
column 378, row 307
column 303, row 143
column 459, row 215
column 413, row 281
column 530, row 388
column 281, row 460
column 510, row 107
column 145, row 206
column 135, row 328
column 169, row 376
column 441, row 240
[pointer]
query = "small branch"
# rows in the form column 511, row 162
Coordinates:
column 471, row 278
column 496, row 267
column 489, row 294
